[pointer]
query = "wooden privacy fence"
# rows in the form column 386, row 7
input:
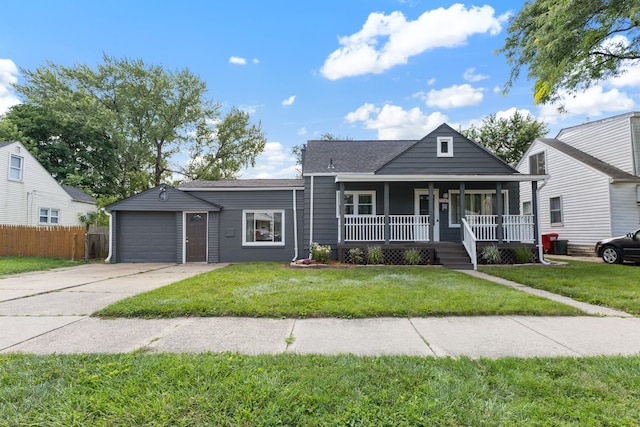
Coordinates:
column 51, row 241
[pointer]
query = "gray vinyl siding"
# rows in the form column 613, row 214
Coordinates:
column 213, row 237
column 325, row 223
column 228, row 238
column 468, row 158
column 626, row 215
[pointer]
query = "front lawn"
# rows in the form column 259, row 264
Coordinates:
column 15, row 265
column 231, row 390
column 277, row 290
column 614, row 286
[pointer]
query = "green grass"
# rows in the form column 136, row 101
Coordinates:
column 275, row 290
column 615, row 286
column 15, row 265
column 293, row 390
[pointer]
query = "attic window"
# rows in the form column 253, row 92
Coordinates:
column 445, row 146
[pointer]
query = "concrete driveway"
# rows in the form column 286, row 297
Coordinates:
column 32, row 304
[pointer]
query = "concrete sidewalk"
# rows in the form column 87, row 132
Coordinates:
column 54, row 319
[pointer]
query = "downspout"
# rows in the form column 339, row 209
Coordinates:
column 540, row 248
column 108, row 259
column 295, row 227
column 311, row 218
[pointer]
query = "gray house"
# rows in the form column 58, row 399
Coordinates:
column 443, row 194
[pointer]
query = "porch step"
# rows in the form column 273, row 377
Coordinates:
column 453, row 256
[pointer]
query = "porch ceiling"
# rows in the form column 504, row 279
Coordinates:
column 359, row 177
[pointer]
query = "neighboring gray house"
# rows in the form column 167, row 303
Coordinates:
column 593, row 190
column 434, row 194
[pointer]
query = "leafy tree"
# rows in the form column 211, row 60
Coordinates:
column 71, row 152
column 509, row 137
column 220, row 153
column 141, row 114
column 569, row 45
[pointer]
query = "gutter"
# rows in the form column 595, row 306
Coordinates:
column 540, row 248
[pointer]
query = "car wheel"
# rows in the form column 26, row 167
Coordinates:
column 611, row 255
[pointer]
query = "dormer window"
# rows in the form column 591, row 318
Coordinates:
column 445, row 146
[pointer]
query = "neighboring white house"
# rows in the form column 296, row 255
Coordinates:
column 593, row 190
column 29, row 195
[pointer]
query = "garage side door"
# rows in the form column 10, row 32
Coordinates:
column 146, row 237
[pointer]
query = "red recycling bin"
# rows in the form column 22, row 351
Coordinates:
column 547, row 242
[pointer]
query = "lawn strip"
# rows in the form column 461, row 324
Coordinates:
column 230, row 389
column 15, row 265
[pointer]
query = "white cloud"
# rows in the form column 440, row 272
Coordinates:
column 431, row 81
column 394, row 122
column 249, row 109
column 471, row 76
column 8, row 76
column 302, row 131
column 359, row 53
column 256, row 61
column 452, row 97
column 289, row 101
column 276, row 161
column 591, row 102
column 237, row 60
column 507, row 114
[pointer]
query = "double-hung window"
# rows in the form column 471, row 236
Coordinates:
column 49, row 216
column 263, row 227
column 477, row 202
column 358, row 203
column 537, row 165
column 555, row 210
column 16, row 166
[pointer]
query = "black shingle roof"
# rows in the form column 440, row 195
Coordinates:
column 588, row 159
column 351, row 156
column 243, row 183
column 78, row 195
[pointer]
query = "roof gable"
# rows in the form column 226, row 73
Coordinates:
column 468, row 158
column 174, row 200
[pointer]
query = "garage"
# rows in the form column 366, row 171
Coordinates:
column 146, row 237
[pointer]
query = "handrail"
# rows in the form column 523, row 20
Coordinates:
column 469, row 243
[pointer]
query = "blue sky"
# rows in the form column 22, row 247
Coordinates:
column 362, row 69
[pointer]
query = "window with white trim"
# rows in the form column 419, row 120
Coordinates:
column 263, row 228
column 555, row 210
column 477, row 202
column 537, row 164
column 445, row 146
column 357, row 203
column 49, row 216
column 16, row 166
column 526, row 208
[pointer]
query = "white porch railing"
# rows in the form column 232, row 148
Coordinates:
column 515, row 228
column 402, row 228
column 469, row 242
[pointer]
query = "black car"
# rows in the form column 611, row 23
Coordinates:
column 618, row 249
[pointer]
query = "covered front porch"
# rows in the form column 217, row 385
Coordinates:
column 419, row 211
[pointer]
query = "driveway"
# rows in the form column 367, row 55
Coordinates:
column 32, row 304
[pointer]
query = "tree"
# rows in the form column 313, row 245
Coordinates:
column 569, row 45
column 72, row 153
column 142, row 113
column 220, row 153
column 508, row 138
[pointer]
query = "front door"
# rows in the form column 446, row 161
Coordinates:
column 422, row 208
column 196, row 237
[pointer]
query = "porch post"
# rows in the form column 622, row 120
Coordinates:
column 534, row 211
column 341, row 228
column 500, row 209
column 387, row 227
column 433, row 211
column 463, row 209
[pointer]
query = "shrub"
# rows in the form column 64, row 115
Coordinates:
column 523, row 254
column 320, row 253
column 356, row 256
column 374, row 255
column 412, row 256
column 491, row 254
